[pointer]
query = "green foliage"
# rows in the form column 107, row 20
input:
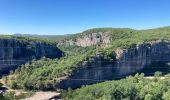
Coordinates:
column 166, row 95
column 27, row 38
column 43, row 74
column 13, row 85
column 12, row 96
column 131, row 88
column 158, row 74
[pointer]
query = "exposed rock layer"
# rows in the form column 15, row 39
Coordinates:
column 128, row 61
column 16, row 52
column 88, row 39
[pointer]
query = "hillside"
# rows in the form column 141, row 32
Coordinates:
column 52, row 38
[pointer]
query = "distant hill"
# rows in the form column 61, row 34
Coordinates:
column 20, row 34
column 47, row 37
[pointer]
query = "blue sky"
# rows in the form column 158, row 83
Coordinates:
column 73, row 16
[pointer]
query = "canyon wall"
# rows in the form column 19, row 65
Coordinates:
column 128, row 61
column 16, row 52
column 88, row 39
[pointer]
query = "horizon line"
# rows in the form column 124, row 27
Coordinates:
column 54, row 34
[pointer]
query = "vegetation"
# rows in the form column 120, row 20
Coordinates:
column 43, row 73
column 12, row 96
column 27, row 38
column 132, row 88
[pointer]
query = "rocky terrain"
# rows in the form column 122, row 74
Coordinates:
column 88, row 39
column 14, row 52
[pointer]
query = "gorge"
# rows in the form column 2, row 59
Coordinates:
column 90, row 57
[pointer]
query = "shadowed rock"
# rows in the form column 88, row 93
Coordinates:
column 16, row 52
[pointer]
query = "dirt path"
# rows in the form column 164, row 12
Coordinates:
column 44, row 96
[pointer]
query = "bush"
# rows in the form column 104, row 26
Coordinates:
column 157, row 74
column 13, row 85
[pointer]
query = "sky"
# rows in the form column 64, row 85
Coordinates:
column 57, row 17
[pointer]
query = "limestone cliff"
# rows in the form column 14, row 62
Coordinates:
column 88, row 39
column 128, row 61
column 16, row 52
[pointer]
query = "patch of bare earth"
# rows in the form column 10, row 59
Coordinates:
column 44, row 96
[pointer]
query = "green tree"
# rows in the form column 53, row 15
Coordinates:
column 158, row 74
column 166, row 95
column 148, row 97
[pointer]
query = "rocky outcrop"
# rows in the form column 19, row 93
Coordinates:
column 88, row 39
column 128, row 61
column 16, row 52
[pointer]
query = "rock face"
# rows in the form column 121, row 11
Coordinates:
column 135, row 59
column 88, row 40
column 129, row 61
column 16, row 52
